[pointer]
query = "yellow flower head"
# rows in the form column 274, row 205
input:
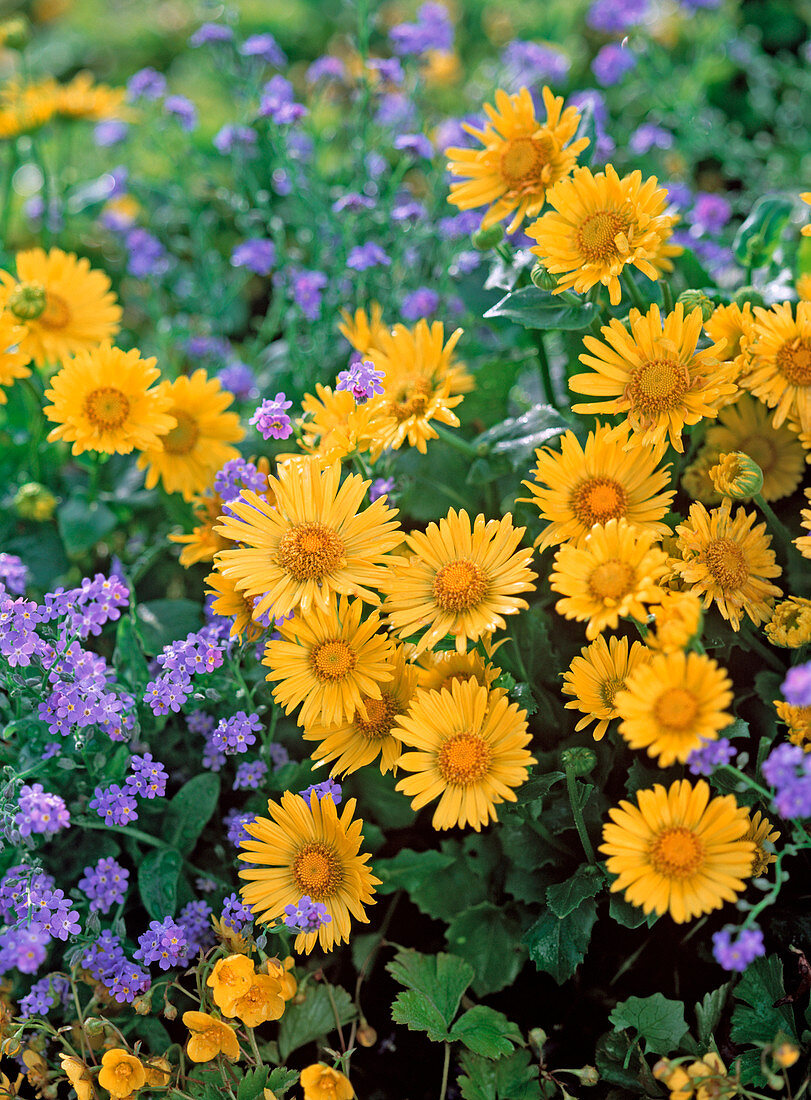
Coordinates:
column 678, row 851
column 730, row 328
column 469, row 749
column 13, row 360
column 63, row 304
column 121, row 1073
column 673, row 703
column 728, row 562
column 520, row 160
column 203, row 543
column 578, row 486
column 282, row 971
column 104, row 400
column 790, row 625
column 736, row 476
column 595, row 677
column 26, row 107
column 786, row 1053
column 201, row 441
column 322, row 1083
column 613, row 575
column 309, row 542
column 307, row 849
column 764, row 837
column 461, row 581
column 230, row 603
column 798, row 720
column 677, row 620
column 601, row 224
column 780, row 371
column 229, row 980
column 363, row 331
column 77, row 1073
column 438, row 669
column 209, row 1037
column 334, row 425
column 82, row 98
column 653, row 372
column 261, row 1001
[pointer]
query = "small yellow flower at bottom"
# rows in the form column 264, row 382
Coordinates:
column 209, row 1037
column 121, row 1073
column 76, row 1072
column 230, row 979
column 322, row 1083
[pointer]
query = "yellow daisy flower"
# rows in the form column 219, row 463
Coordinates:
column 230, row 603
column 309, row 541
column 437, row 670
column 780, row 370
column 13, row 359
column 764, row 837
column 613, row 575
column 578, row 486
column 83, row 98
column 678, row 851
column 600, row 224
column 520, row 160
column 595, row 677
column 798, row 720
column 676, row 621
column 334, row 425
column 673, row 703
column 654, row 374
column 731, row 327
column 461, row 581
column 63, row 303
column 202, row 543
column 103, row 400
column 728, row 562
column 307, row 849
column 360, row 741
column 469, row 750
column 201, row 442
column 363, row 331
column 790, row 625
column 330, row 661
column 803, row 543
column 25, row 107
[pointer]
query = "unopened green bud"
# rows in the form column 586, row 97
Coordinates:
column 580, row 761
column 737, row 476
column 588, row 1076
column 537, row 1040
column 750, row 295
column 143, row 1004
column 94, row 1026
column 697, row 299
column 485, row 239
column 35, row 501
column 27, row 301
column 14, row 33
column 542, row 278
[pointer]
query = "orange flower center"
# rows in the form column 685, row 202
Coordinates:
column 676, row 710
column 380, row 715
column 523, row 163
column 317, row 871
column 596, row 237
column 599, row 499
column 56, row 314
column 182, row 438
column 608, row 689
column 459, row 585
column 611, row 580
column 123, row 1071
column 794, row 361
column 411, row 400
column 333, row 660
column 656, row 386
column 310, row 551
column 464, row 759
column 677, row 852
column 106, row 407
column 726, row 563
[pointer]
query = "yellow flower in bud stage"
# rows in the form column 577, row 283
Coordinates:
column 786, row 1053
column 233, row 940
column 158, row 1072
column 231, row 603
column 320, row 1082
column 653, row 372
column 677, row 620
column 261, row 1001
column 613, row 575
column 798, row 720
column 203, row 543
column 803, row 287
column 209, row 1037
column 13, row 359
column 121, row 1073
column 736, row 476
column 521, row 157
column 77, row 1073
column 35, row 501
column 281, row 970
column 230, row 979
column 764, row 837
column 730, row 330
column 790, row 625
column 363, row 331
column 595, row 677
column 678, row 851
column 780, row 369
column 600, row 224
column 803, row 543
column 728, row 562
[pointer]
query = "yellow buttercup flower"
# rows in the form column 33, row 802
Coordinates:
column 310, row 541
column 595, row 677
column 281, row 970
column 764, row 837
column 209, row 1037
column 158, row 1072
column 703, row 1080
column 613, row 575
column 728, row 562
column 230, row 603
column 578, row 486
column 601, row 223
column 83, row 98
column 780, row 370
column 330, row 662
column 730, row 328
column 322, row 1083
column 261, row 1001
column 672, row 703
column 653, row 372
column 676, row 621
column 64, row 305
column 359, row 741
column 438, row 669
column 13, row 360
column 363, row 331
column 462, row 580
column 678, row 851
column 307, row 849
column 77, row 1074
column 520, row 160
column 104, row 400
column 201, row 441
column 798, row 720
column 468, row 749
column 121, row 1073
column 229, row 980
column 790, row 625
column 203, row 543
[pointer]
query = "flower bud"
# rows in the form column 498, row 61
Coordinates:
column 93, row 1025
column 785, row 1054
column 750, row 295
column 485, row 239
column 662, row 1069
column 790, row 625
column 169, row 1010
column 537, row 1040
column 588, row 1076
column 736, row 475
column 579, row 761
column 697, row 299
column 35, row 501
column 27, row 301
column 542, row 278
column 367, row 1036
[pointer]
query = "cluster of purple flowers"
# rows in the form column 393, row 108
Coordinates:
column 13, row 574
column 788, row 769
column 710, row 755
column 40, row 811
column 164, row 943
column 195, row 920
column 145, row 254
column 327, row 789
column 361, row 379
column 278, row 102
column 250, row 775
column 198, row 652
column 612, row 16
column 308, row 289
column 238, row 379
column 528, row 63
column 107, row 963
column 271, row 419
column 35, row 913
column 738, row 952
column 44, row 995
column 612, row 63
column 422, row 302
column 796, row 687
column 229, row 138
column 432, row 31
column 325, row 68
column 182, row 109
column 235, row 823
column 364, row 256
column 234, row 735
column 307, row 916
column 238, row 474
column 265, row 47
column 257, row 254
column 207, row 33
column 114, row 804
column 380, row 487
column 86, row 609
column 19, row 641
column 80, row 695
column 105, row 885
column 148, row 777
column 236, row 914
column 649, row 136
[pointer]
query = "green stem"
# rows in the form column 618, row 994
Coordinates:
column 667, row 297
column 127, row 830
column 254, row 1047
column 241, row 681
column 446, row 1065
column 747, row 780
column 456, row 441
column 546, row 374
column 781, row 535
column 633, row 290
column 5, row 194
column 577, row 814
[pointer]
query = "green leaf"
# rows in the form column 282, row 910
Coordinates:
column 585, row 883
column 559, row 946
column 83, row 523
column 408, row 870
column 657, row 1020
column 517, row 437
column 619, row 1062
column 487, row 1032
column 313, row 1017
column 153, row 1033
column 163, row 621
column 253, row 1083
column 440, row 979
column 755, row 1019
column 381, row 802
column 709, row 1012
column 540, row 309
column 281, row 1079
column 488, row 938
column 629, row 916
column 695, row 274
column 513, row 1078
column 128, row 657
column 759, row 236
column 190, row 810
column 157, row 882
column 467, row 877
column 417, row 1013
